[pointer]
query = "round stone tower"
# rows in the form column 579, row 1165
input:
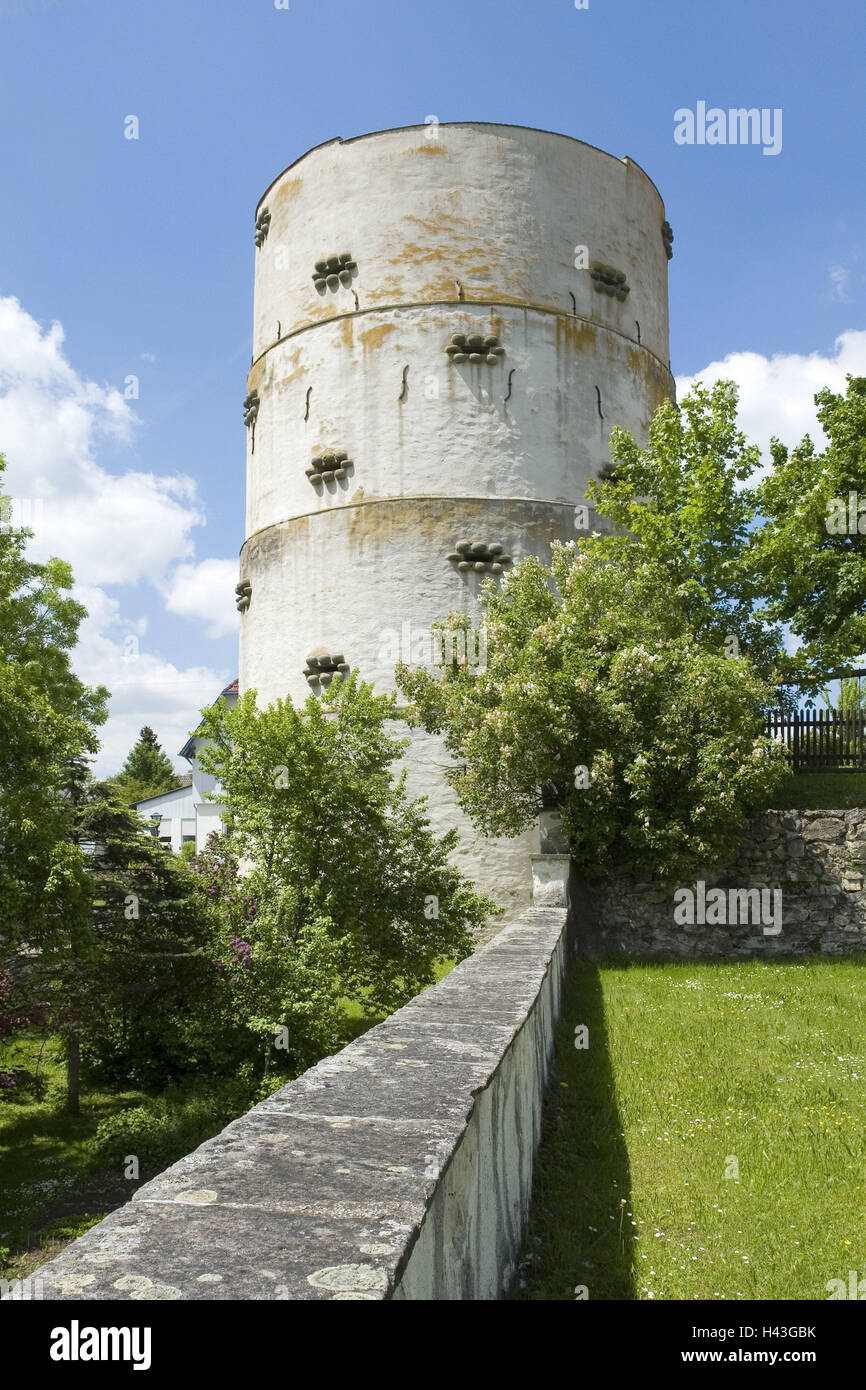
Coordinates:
column 449, row 320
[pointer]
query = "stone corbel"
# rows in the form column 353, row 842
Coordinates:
column 608, row 280
column 251, row 414
column 263, row 223
column 481, row 556
column 326, row 467
column 333, row 271
column 322, row 667
column 475, row 348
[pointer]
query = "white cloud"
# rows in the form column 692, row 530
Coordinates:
column 28, row 354
column 839, row 278
column 145, row 688
column 776, row 393
column 113, row 529
column 205, row 591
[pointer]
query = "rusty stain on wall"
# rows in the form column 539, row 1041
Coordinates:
column 373, row 338
column 575, row 334
column 292, row 376
column 286, row 192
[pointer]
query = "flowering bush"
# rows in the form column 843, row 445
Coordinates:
column 599, row 699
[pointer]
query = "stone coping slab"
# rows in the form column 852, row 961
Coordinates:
column 321, row 1190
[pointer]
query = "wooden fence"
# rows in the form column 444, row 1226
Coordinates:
column 821, row 740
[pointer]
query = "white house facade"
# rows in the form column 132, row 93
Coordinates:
column 185, row 815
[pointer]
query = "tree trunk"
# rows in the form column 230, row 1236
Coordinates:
column 73, row 1068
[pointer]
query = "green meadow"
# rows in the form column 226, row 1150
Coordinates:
column 710, row 1141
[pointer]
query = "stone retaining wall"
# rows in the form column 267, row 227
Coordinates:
column 815, row 858
column 401, row 1168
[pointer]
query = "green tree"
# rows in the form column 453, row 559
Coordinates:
column 810, row 552
column 600, row 698
column 48, row 723
column 628, row 683
column 145, row 981
column 147, row 770
column 278, row 990
column 128, row 980
column 685, row 499
column 850, row 700
column 353, row 894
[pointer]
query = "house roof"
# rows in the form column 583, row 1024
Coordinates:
column 183, row 785
column 189, row 747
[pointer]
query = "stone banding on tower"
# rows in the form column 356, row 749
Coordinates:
column 463, row 359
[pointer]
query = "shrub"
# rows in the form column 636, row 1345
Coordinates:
column 20, row 1082
column 170, row 1126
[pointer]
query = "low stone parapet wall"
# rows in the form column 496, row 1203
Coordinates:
column 400, row 1168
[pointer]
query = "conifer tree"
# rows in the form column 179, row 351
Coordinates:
column 147, row 770
column 124, row 986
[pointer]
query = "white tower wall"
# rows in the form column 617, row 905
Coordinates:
column 472, row 232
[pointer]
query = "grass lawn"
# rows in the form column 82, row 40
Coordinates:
column 47, row 1159
column 822, row 791
column 694, row 1072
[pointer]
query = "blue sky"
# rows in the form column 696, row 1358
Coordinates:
column 143, row 251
